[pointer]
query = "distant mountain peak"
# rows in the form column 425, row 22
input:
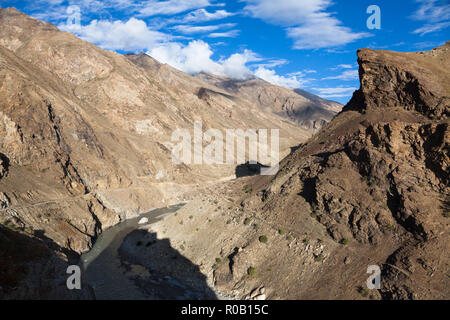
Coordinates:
column 304, row 108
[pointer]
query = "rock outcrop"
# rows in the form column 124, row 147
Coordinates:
column 415, row 81
column 377, row 176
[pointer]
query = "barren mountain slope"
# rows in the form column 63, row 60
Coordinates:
column 85, row 134
column 380, row 170
column 371, row 188
column 304, row 108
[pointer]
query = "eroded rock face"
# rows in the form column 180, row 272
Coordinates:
column 380, row 171
column 403, row 79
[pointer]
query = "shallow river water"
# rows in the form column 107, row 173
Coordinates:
column 101, row 266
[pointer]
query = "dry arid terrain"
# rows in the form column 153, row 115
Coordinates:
column 307, row 110
column 85, row 143
column 85, row 136
column 371, row 188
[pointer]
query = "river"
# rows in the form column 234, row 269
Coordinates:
column 102, row 266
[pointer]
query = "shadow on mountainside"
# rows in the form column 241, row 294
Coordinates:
column 4, row 165
column 30, row 270
column 161, row 271
column 249, row 169
column 4, row 160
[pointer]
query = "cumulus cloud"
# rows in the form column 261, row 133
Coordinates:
column 285, row 12
column 235, row 66
column 291, row 81
column 308, row 23
column 436, row 14
column 133, row 35
column 196, row 57
column 193, row 58
column 322, row 32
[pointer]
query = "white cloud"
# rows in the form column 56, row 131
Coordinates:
column 170, row 7
column 432, row 11
column 273, row 63
column 286, row 12
column 428, row 44
column 235, row 66
column 435, row 12
column 347, row 75
column 188, row 29
column 54, row 2
column 322, row 33
column 201, row 15
column 55, row 10
column 342, row 66
column 292, row 81
column 193, row 58
column 133, row 35
column 196, row 57
column 310, row 26
column 339, row 92
column 227, row 34
column 429, row 28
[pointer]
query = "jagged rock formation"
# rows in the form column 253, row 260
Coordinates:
column 378, row 174
column 417, row 81
column 304, row 108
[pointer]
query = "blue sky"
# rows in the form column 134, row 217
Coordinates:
column 307, row 44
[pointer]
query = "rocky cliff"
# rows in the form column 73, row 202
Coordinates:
column 370, row 189
column 377, row 176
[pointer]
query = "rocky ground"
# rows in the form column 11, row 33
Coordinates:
column 371, row 188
